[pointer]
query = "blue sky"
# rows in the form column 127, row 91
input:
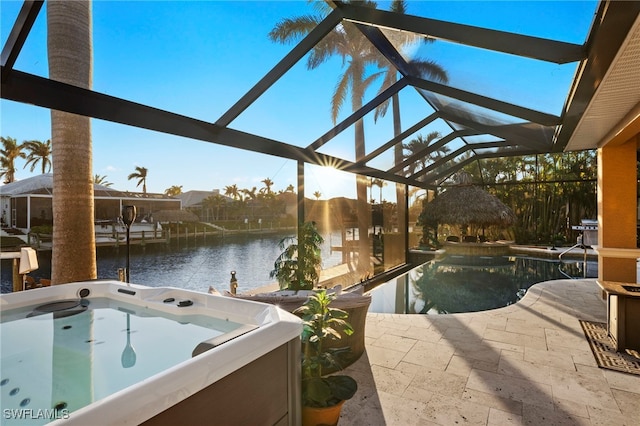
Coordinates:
column 198, row 58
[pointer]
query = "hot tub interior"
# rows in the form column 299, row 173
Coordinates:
column 67, row 354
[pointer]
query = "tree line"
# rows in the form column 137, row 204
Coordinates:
column 549, row 193
column 37, row 152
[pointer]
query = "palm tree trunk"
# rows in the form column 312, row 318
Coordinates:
column 364, row 213
column 401, row 189
column 69, row 47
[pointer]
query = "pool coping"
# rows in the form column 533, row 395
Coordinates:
column 526, row 363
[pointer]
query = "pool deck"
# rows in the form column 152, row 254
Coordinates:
column 525, row 364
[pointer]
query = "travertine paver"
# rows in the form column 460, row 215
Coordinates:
column 502, row 418
column 526, row 364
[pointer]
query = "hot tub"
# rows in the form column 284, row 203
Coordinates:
column 104, row 352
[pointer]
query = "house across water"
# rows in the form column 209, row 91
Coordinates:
column 28, row 203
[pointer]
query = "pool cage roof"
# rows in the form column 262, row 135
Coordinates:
column 577, row 93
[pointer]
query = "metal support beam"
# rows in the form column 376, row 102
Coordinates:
column 389, row 51
column 430, row 180
column 18, row 35
column 454, row 154
column 377, row 38
column 307, row 43
column 500, row 41
column 518, row 134
column 300, row 195
column 35, row 90
column 489, row 103
column 398, row 139
column 371, row 105
column 426, row 151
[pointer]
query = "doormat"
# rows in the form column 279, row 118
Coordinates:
column 605, row 352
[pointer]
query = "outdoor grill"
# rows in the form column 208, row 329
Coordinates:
column 589, row 229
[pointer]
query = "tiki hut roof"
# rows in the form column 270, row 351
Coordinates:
column 175, row 216
column 466, row 204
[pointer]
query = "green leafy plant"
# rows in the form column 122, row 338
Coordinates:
column 429, row 229
column 321, row 323
column 42, row 229
column 298, row 266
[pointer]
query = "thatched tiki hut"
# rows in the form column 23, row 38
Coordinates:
column 465, row 204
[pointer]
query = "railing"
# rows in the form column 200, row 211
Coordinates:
column 579, row 244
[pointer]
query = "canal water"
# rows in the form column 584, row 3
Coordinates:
column 189, row 264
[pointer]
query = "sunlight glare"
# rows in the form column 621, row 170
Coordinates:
column 330, row 182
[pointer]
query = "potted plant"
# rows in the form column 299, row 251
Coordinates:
column 322, row 394
column 298, row 266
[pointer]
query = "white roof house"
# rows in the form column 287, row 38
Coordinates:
column 27, row 202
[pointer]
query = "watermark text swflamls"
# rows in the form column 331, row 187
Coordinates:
column 35, row 414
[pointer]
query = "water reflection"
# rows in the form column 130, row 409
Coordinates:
column 469, row 284
column 191, row 265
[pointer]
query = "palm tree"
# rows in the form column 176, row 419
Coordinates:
column 141, row 175
column 419, row 144
column 356, row 52
column 317, row 194
column 10, row 151
column 215, row 201
column 70, row 57
column 426, row 69
column 238, row 208
column 101, row 180
column 232, row 191
column 442, row 152
column 268, row 183
column 39, row 152
column 173, row 190
column 250, row 196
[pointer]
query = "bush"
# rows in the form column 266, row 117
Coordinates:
column 42, row 229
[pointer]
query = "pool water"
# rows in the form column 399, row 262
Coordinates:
column 457, row 284
column 67, row 359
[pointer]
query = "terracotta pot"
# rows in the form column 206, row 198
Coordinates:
column 326, row 416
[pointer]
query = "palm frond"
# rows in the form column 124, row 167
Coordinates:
column 290, row 30
column 430, row 70
column 339, row 96
column 320, row 54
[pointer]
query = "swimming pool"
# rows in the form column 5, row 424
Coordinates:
column 470, row 283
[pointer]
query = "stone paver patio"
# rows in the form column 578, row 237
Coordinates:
column 528, row 363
